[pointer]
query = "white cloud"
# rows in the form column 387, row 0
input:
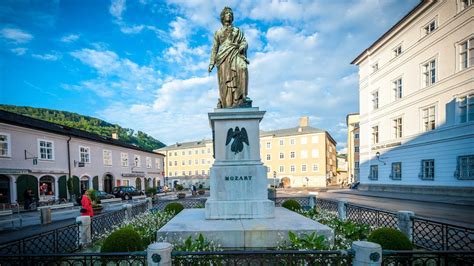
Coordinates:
column 131, row 29
column 19, row 50
column 47, row 57
column 70, row 38
column 16, row 35
column 116, row 8
column 180, row 28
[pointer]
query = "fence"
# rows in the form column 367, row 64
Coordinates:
column 60, row 240
column 424, row 233
column 122, row 258
column 100, row 224
column 160, row 204
column 447, row 258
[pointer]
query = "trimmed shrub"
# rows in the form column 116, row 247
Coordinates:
column 390, row 238
column 123, row 240
column 179, row 187
column 174, row 207
column 291, row 205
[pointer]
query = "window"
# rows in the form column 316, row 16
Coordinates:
column 269, row 145
column 375, row 134
column 397, row 51
column 157, row 163
column 190, row 152
column 137, row 161
column 430, row 27
column 175, row 163
column 304, row 154
column 5, row 150
column 124, row 159
column 196, row 161
column 107, row 157
column 396, row 171
column 315, row 167
column 466, row 108
column 183, row 162
column 45, row 149
column 427, row 169
column 397, row 127
column 303, row 168
column 356, row 149
column 203, row 161
column 170, row 164
column 429, row 73
column 356, row 135
column 292, row 141
column 466, row 53
column 314, row 153
column 281, row 169
column 428, row 118
column 170, row 173
column 196, row 151
column 203, row 172
column 282, row 142
column 466, row 3
column 292, row 168
column 375, row 67
column 465, row 167
column 183, row 173
column 175, row 154
column 397, row 89
column 374, row 172
column 292, row 155
column 269, row 157
column 203, row 151
column 356, row 165
column 183, row 153
column 375, row 100
column 304, row 140
column 208, row 150
column 190, row 162
column 196, row 172
column 148, row 162
column 282, row 155
column 314, row 139
column 171, row 154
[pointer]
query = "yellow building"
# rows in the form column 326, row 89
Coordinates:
column 298, row 157
column 352, row 121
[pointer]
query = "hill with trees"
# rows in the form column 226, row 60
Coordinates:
column 89, row 124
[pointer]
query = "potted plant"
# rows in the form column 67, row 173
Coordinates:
column 181, row 195
column 96, row 206
column 201, row 190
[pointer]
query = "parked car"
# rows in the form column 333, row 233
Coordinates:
column 103, row 195
column 126, row 192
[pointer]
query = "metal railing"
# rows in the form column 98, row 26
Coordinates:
column 139, row 208
column 160, row 204
column 446, row 258
column 77, row 259
column 263, row 257
column 60, row 240
column 303, row 201
column 371, row 216
column 102, row 223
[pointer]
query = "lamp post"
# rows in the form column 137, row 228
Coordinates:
column 274, row 179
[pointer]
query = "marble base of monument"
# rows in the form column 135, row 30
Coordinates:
column 241, row 233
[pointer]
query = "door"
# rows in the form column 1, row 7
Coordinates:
column 138, row 183
column 4, row 189
column 95, row 182
column 108, row 183
column 62, row 186
column 24, row 182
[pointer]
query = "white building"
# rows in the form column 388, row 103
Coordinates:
column 417, row 102
column 35, row 152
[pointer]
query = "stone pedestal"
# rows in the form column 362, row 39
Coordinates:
column 238, row 178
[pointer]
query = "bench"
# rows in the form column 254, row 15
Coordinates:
column 7, row 217
column 60, row 207
column 111, row 202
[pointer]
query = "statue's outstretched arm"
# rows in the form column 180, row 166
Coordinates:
column 215, row 48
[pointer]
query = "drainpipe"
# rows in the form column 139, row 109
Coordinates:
column 68, row 165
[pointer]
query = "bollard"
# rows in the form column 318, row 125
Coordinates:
column 150, row 203
column 128, row 211
column 341, row 209
column 405, row 223
column 45, row 215
column 159, row 253
column 366, row 254
column 312, row 201
column 85, row 237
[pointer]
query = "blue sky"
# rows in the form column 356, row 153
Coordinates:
column 143, row 63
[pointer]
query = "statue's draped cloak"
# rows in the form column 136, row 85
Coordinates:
column 232, row 70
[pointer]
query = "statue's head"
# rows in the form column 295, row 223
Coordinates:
column 227, row 10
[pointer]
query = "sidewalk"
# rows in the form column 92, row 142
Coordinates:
column 464, row 201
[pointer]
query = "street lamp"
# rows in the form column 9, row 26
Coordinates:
column 378, row 157
column 274, row 179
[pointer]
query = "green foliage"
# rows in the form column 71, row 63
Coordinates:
column 390, row 238
column 89, row 124
column 147, row 224
column 123, row 240
column 292, row 205
column 174, row 207
column 151, row 191
column 312, row 241
column 200, row 186
column 179, row 187
column 198, row 244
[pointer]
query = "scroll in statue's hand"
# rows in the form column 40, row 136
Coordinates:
column 211, row 66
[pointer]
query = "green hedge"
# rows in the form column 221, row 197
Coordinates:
column 123, row 240
column 390, row 238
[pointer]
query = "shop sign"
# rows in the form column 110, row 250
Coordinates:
column 14, row 171
column 388, row 145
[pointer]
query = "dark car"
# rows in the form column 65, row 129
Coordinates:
column 103, row 195
column 126, row 192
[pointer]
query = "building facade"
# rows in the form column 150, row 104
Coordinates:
column 353, row 146
column 295, row 157
column 417, row 102
column 42, row 156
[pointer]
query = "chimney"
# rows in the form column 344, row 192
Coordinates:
column 304, row 121
column 115, row 135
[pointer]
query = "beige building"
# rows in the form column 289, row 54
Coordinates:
column 417, row 102
column 352, row 121
column 298, row 157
